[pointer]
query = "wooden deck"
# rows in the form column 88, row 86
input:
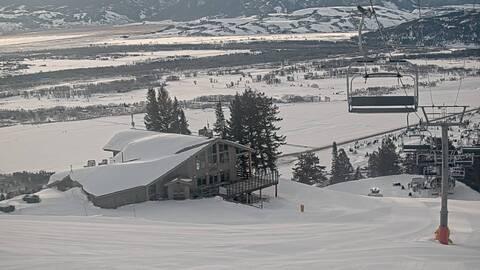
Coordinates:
column 254, row 183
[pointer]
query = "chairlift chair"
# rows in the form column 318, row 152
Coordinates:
column 380, row 103
column 474, row 150
column 457, row 172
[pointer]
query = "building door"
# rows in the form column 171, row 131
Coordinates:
column 152, row 192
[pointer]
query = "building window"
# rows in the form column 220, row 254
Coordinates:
column 201, row 181
column 212, row 157
column 200, row 162
column 225, row 176
column 223, row 153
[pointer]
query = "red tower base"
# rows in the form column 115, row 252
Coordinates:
column 443, row 235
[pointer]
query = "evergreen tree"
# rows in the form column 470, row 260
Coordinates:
column 183, row 125
column 308, row 170
column 152, row 116
column 165, row 110
column 373, row 164
column 174, row 125
column 252, row 122
column 220, row 125
column 343, row 167
column 163, row 114
column 334, row 162
column 358, row 174
column 388, row 159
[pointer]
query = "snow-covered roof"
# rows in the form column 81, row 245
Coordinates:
column 102, row 180
column 121, row 139
column 143, row 157
column 152, row 145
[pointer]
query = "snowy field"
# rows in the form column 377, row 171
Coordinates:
column 340, row 229
column 137, row 33
column 126, row 58
column 306, row 125
column 188, row 88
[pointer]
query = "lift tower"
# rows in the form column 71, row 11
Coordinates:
column 444, row 118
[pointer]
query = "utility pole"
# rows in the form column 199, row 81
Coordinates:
column 445, row 122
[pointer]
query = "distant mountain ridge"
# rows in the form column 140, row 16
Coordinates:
column 446, row 28
column 44, row 14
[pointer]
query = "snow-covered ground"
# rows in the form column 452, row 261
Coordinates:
column 128, row 58
column 173, row 39
column 306, row 125
column 338, row 230
column 310, row 20
column 188, row 88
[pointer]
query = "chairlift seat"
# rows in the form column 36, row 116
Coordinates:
column 382, row 110
column 417, row 147
column 382, row 104
column 382, row 75
column 376, row 101
column 471, row 150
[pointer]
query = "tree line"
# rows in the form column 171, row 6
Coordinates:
column 385, row 161
column 164, row 114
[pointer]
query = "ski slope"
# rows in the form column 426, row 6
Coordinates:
column 339, row 230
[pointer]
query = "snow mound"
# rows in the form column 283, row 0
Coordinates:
column 362, row 187
column 338, row 230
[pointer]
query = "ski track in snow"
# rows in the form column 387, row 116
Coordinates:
column 339, row 230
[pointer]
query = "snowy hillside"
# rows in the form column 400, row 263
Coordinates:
column 210, row 17
column 338, row 230
column 444, row 28
column 320, row 19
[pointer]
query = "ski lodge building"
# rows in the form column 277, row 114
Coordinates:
column 149, row 165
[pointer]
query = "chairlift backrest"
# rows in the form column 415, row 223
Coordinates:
column 382, row 103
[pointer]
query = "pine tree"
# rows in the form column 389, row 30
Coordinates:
column 388, row 159
column 334, row 162
column 174, row 125
column 373, row 164
column 358, row 174
column 152, row 117
column 183, row 125
column 308, row 170
column 220, row 125
column 252, row 122
column 343, row 167
column 163, row 114
column 165, row 110
column 235, row 125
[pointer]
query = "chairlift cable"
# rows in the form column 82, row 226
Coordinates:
column 422, row 40
column 461, row 81
column 380, row 28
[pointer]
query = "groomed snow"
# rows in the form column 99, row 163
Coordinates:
column 338, row 230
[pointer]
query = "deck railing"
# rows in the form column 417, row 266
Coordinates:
column 258, row 181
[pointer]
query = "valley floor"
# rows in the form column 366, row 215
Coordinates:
column 339, row 230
